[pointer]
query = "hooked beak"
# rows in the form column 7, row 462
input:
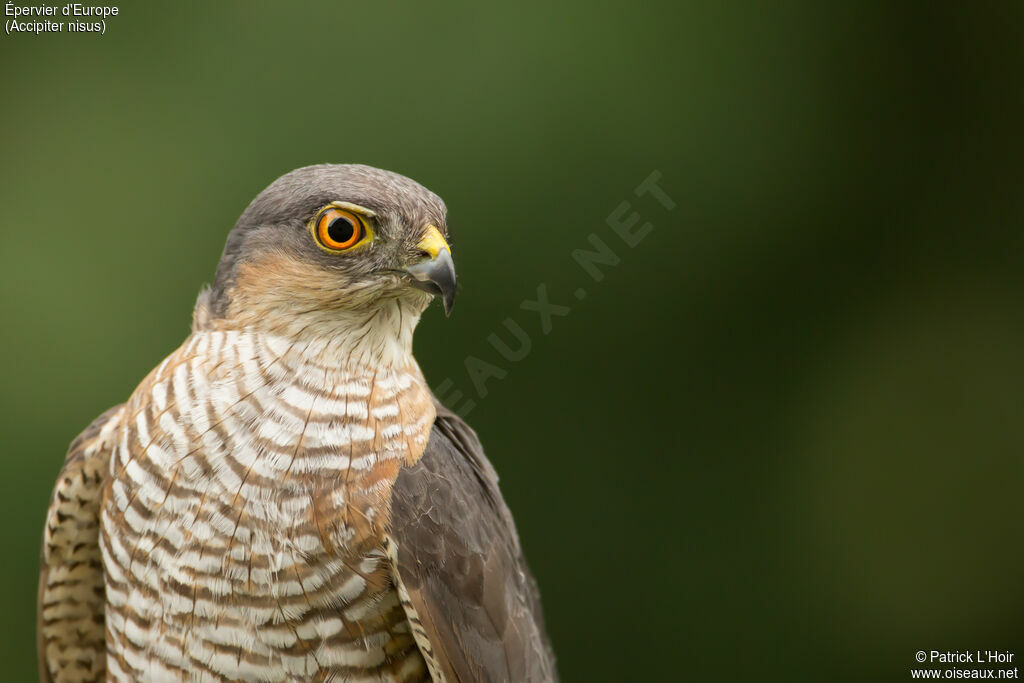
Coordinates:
column 435, row 275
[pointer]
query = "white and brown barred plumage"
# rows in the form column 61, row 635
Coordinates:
column 282, row 498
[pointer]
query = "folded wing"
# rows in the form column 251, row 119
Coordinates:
column 462, row 577
column 71, row 637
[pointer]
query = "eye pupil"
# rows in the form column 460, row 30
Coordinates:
column 341, row 230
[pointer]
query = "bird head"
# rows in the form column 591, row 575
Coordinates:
column 331, row 246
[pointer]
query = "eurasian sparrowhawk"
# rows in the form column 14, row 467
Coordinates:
column 283, row 498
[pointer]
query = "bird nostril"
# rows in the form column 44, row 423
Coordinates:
column 433, row 243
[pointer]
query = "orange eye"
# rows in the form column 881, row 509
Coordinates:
column 338, row 230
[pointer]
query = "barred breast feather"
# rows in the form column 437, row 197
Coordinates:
column 248, row 495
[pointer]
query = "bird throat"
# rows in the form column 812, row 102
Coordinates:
column 356, row 323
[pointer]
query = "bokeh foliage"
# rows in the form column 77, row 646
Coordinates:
column 781, row 440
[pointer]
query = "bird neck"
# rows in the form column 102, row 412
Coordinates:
column 377, row 336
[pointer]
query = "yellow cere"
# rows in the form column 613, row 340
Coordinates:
column 433, row 242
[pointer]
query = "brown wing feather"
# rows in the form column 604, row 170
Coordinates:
column 70, row 631
column 465, row 583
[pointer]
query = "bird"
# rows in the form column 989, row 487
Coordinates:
column 283, row 498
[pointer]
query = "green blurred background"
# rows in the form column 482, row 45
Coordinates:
column 781, row 440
